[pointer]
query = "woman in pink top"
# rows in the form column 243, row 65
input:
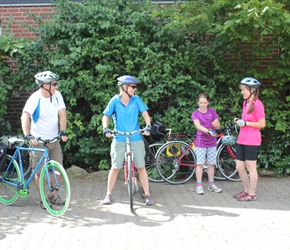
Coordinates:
column 249, row 139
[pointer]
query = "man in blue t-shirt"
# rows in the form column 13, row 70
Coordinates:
column 124, row 109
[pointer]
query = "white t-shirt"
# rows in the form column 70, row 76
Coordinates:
column 44, row 114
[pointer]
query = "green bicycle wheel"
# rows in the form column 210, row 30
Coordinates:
column 55, row 188
column 11, row 175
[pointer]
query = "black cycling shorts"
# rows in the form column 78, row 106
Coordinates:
column 247, row 153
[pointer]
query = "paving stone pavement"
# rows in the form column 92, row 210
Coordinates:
column 180, row 219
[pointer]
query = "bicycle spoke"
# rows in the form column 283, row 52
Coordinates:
column 55, row 188
column 9, row 193
column 226, row 163
column 152, row 172
column 175, row 162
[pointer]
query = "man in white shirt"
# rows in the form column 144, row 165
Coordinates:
column 44, row 115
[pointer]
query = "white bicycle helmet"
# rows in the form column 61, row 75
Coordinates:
column 251, row 82
column 229, row 140
column 45, row 77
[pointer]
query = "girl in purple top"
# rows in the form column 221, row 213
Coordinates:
column 249, row 139
column 206, row 122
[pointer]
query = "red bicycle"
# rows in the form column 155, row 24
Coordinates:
column 129, row 166
column 176, row 160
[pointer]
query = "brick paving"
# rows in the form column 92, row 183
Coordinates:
column 180, row 219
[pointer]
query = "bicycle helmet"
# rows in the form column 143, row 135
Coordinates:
column 126, row 79
column 251, row 82
column 45, row 77
column 229, row 140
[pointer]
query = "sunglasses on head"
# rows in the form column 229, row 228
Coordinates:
column 133, row 87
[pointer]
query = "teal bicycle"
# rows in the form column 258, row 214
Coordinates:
column 53, row 180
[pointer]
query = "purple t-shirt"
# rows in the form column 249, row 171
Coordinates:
column 204, row 140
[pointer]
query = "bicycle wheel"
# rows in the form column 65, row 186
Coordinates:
column 54, row 188
column 25, row 156
column 176, row 162
column 218, row 174
column 130, row 181
column 150, row 165
column 8, row 192
column 226, row 162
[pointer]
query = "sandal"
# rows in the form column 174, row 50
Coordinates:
column 240, row 195
column 248, row 197
column 55, row 199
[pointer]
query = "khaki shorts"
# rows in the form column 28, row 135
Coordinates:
column 55, row 153
column 118, row 154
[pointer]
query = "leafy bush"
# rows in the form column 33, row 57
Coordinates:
column 177, row 51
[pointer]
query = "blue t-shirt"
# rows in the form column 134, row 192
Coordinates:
column 125, row 117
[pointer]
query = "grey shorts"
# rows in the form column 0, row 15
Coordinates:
column 118, row 154
column 206, row 153
column 55, row 153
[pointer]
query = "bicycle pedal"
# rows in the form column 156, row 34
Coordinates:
column 23, row 193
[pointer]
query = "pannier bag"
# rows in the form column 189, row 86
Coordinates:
column 158, row 131
column 2, row 158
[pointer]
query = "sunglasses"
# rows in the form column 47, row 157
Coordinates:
column 53, row 84
column 133, row 87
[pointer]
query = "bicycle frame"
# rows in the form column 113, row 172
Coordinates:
column 192, row 145
column 24, row 185
column 54, row 185
column 128, row 154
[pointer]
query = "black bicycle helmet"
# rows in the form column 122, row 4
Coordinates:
column 126, row 79
column 45, row 77
column 251, row 82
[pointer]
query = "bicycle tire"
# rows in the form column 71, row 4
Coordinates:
column 54, row 171
column 218, row 174
column 150, row 163
column 169, row 158
column 226, row 162
column 9, row 193
column 130, row 182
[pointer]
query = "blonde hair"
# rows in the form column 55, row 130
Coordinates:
column 252, row 104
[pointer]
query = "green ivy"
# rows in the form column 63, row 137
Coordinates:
column 176, row 51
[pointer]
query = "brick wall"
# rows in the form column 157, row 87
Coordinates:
column 19, row 14
column 16, row 104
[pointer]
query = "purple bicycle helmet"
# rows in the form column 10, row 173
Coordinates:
column 126, row 79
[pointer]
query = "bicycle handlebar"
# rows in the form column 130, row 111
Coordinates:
column 229, row 129
column 116, row 132
column 44, row 141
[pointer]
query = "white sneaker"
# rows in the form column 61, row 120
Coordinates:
column 199, row 190
column 214, row 188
